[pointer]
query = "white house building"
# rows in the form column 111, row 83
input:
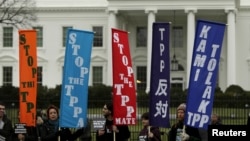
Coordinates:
column 136, row 17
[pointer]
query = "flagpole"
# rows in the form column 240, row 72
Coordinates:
column 59, row 135
column 148, row 131
column 114, row 135
column 184, row 129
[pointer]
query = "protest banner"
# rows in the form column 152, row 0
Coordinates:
column 204, row 72
column 160, row 77
column 28, row 77
column 74, row 95
column 124, row 96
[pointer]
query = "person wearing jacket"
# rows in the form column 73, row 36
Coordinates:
column 215, row 119
column 149, row 133
column 122, row 132
column 49, row 131
column 32, row 132
column 6, row 129
column 181, row 132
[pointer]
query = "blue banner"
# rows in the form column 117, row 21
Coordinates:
column 160, row 76
column 74, row 96
column 203, row 74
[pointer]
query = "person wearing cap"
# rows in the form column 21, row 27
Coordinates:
column 181, row 132
column 122, row 132
column 149, row 133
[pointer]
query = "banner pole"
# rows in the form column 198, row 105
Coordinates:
column 114, row 135
column 59, row 135
column 148, row 131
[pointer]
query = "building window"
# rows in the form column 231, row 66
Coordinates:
column 64, row 34
column 141, row 77
column 141, row 37
column 98, row 36
column 177, row 36
column 39, row 36
column 97, row 75
column 7, row 76
column 8, row 37
column 40, row 76
column 177, row 83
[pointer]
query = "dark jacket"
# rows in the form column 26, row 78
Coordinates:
column 122, row 135
column 30, row 135
column 143, row 135
column 7, row 130
column 49, row 133
column 86, row 136
column 191, row 131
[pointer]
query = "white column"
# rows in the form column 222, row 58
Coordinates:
column 190, row 39
column 112, row 23
column 231, row 49
column 151, row 19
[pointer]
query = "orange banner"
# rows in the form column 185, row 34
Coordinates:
column 28, row 76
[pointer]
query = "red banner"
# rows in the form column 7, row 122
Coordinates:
column 124, row 96
column 28, row 77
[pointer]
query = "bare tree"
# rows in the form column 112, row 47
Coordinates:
column 18, row 13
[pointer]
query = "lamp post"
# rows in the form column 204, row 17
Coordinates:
column 174, row 64
column 174, row 61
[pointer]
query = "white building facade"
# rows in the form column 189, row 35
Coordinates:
column 136, row 17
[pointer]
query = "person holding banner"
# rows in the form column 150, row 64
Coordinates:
column 27, row 133
column 148, row 133
column 121, row 132
column 6, row 129
column 181, row 132
column 50, row 128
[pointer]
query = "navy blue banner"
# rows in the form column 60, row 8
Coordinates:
column 74, row 95
column 160, row 76
column 203, row 74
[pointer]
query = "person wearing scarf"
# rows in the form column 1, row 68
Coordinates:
column 49, row 131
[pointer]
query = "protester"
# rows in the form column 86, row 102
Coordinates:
column 215, row 119
column 121, row 132
column 86, row 136
column 32, row 132
column 181, row 132
column 42, row 113
column 149, row 133
column 50, row 128
column 6, row 129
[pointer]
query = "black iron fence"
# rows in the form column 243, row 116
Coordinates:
column 232, row 112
